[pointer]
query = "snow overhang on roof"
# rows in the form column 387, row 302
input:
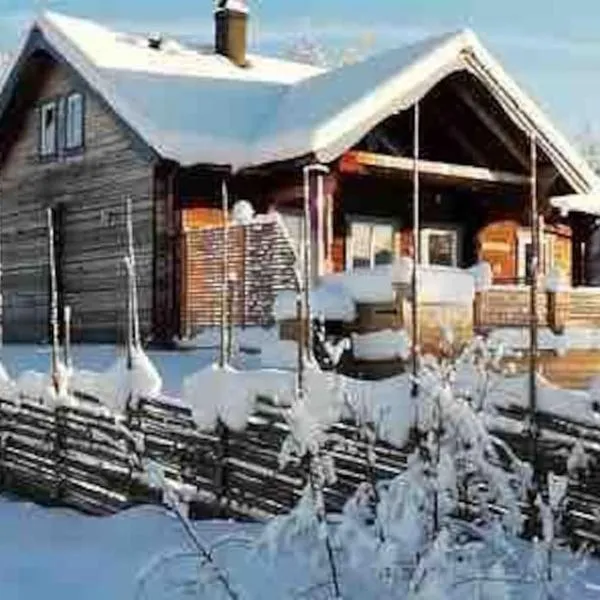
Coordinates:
column 193, row 106
column 578, row 203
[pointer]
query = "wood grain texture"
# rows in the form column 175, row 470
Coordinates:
column 91, row 188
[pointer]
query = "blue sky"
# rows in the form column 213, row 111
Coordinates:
column 552, row 47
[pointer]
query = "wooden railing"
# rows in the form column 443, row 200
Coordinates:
column 509, row 306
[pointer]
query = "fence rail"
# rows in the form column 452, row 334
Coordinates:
column 84, row 458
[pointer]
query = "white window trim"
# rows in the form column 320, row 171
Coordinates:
column 546, row 246
column 367, row 220
column 48, row 144
column 72, row 128
column 428, row 231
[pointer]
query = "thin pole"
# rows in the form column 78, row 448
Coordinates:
column 133, row 282
column 67, row 347
column 320, row 224
column 416, row 251
column 53, row 300
column 533, row 322
column 307, row 253
column 224, row 282
column 1, row 296
column 130, row 342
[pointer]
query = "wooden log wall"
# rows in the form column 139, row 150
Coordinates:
column 261, row 263
column 584, row 308
column 508, row 307
column 90, row 187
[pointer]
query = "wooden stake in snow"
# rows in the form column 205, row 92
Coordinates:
column 132, row 278
column 416, row 251
column 231, row 283
column 67, row 341
column 224, row 283
column 53, row 302
column 533, row 335
column 1, row 298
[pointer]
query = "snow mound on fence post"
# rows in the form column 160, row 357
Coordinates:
column 33, row 385
column 219, row 393
column 119, row 383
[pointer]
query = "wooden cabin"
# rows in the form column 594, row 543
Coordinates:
column 90, row 117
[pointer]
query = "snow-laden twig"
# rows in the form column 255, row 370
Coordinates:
column 156, row 475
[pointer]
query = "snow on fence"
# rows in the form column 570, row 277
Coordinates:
column 82, row 457
column 261, row 263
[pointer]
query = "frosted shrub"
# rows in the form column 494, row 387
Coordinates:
column 411, row 529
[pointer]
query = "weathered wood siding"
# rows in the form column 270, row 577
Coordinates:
column 260, row 264
column 91, row 189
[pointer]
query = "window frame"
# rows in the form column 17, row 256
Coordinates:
column 435, row 229
column 68, row 148
column 372, row 222
column 43, row 152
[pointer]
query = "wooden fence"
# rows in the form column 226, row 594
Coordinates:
column 261, row 263
column 85, row 458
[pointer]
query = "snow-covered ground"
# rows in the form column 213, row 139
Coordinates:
column 172, row 366
column 57, row 554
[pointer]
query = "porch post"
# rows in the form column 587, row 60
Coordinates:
column 307, row 261
column 416, row 251
column 313, row 262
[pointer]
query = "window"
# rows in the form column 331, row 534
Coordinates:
column 61, row 125
column 74, row 122
column 439, row 247
column 525, row 251
column 370, row 244
column 48, row 128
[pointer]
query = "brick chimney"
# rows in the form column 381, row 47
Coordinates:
column 231, row 29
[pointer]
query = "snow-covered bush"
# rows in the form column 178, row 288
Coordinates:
column 408, row 535
column 411, row 529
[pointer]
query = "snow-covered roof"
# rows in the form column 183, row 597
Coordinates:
column 194, row 106
column 584, row 203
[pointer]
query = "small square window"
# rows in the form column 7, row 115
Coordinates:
column 439, row 247
column 370, row 244
column 74, row 122
column 48, row 128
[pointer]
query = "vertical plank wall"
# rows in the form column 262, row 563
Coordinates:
column 90, row 188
